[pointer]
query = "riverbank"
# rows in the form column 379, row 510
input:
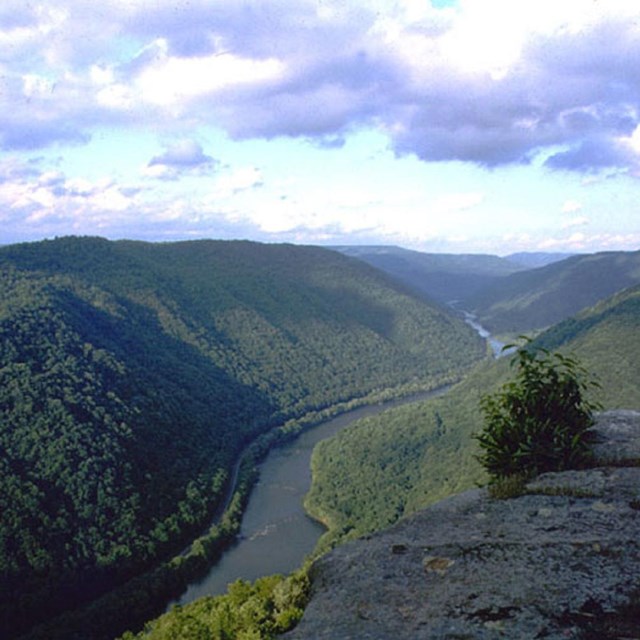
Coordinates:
column 145, row 596
column 560, row 560
column 277, row 534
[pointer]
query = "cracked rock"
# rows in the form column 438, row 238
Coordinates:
column 561, row 561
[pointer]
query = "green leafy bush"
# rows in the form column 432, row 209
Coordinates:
column 261, row 610
column 541, row 420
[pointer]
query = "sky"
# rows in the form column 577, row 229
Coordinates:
column 457, row 126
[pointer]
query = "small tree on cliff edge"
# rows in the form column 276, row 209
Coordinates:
column 541, row 420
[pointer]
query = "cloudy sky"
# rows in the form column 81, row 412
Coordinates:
column 441, row 125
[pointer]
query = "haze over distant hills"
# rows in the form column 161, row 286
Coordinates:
column 514, row 294
column 441, row 276
column 535, row 259
column 538, row 298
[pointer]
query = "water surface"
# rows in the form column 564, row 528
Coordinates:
column 276, row 533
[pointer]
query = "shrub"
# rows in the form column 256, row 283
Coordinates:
column 541, row 420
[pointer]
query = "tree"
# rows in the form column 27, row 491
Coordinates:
column 540, row 421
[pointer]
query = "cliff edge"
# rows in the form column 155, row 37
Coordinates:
column 561, row 561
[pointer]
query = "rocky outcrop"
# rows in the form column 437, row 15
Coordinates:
column 561, row 561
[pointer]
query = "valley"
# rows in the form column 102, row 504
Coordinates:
column 134, row 375
column 276, row 533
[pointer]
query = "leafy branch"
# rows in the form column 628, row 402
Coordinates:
column 540, row 421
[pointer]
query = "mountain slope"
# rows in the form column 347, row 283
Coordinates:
column 134, row 373
column 605, row 338
column 388, row 466
column 515, row 294
column 442, row 277
column 538, row 298
column 533, row 260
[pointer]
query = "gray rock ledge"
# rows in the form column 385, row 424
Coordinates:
column 562, row 561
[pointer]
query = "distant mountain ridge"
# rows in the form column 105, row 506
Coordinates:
column 441, row 277
column 535, row 259
column 519, row 293
column 539, row 298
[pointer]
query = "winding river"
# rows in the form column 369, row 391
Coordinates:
column 276, row 533
column 496, row 345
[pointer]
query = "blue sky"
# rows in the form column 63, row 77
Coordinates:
column 485, row 126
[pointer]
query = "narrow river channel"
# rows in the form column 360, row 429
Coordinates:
column 496, row 345
column 276, row 533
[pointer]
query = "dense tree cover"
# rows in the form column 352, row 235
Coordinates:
column 105, row 465
column 391, row 465
column 440, row 276
column 387, row 466
column 605, row 338
column 143, row 597
column 266, row 313
column 260, row 610
column 539, row 298
column 133, row 374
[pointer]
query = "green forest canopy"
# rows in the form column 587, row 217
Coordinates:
column 134, row 373
column 391, row 465
column 394, row 464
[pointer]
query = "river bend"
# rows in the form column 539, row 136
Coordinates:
column 276, row 533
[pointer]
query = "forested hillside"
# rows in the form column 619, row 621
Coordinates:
column 535, row 259
column 516, row 294
column 606, row 338
column 538, row 298
column 393, row 464
column 441, row 276
column 133, row 374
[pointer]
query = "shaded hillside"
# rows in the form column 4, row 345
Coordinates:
column 388, row 466
column 440, row 276
column 134, row 373
column 606, row 338
column 535, row 259
column 538, row 298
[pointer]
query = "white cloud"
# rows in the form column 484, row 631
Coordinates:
column 488, row 37
column 579, row 221
column 571, row 206
column 50, row 198
column 170, row 80
column 101, row 75
column 116, row 96
column 455, row 202
column 180, row 158
column 241, row 179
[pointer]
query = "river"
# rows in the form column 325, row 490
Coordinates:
column 276, row 533
column 496, row 345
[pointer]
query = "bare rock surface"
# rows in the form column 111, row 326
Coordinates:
column 561, row 561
